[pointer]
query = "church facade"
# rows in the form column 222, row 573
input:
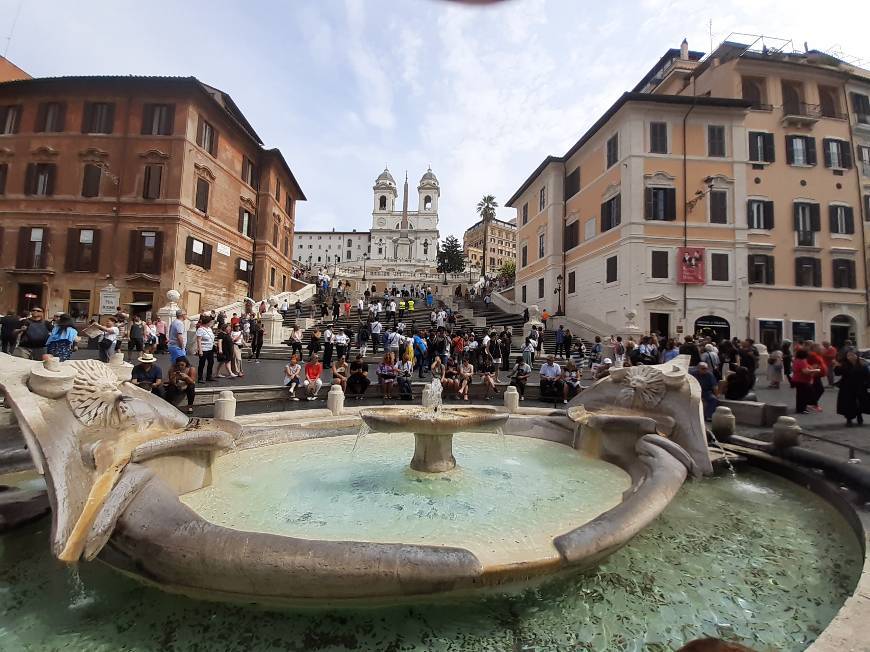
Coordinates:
column 400, row 239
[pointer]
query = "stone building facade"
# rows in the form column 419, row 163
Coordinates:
column 501, row 248
column 126, row 187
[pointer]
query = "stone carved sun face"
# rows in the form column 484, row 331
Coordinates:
column 95, row 398
column 642, row 387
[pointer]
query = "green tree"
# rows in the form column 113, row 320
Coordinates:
column 486, row 209
column 450, row 256
column 508, row 269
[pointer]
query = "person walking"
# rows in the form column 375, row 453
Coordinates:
column 802, row 378
column 62, row 340
column 560, row 342
column 135, row 337
column 109, row 340
column 224, row 352
column 238, row 338
column 256, row 339
column 296, row 341
column 205, row 349
column 176, row 340
column 852, row 399
column 9, row 325
column 328, row 345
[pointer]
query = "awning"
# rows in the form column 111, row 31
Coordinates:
column 139, row 304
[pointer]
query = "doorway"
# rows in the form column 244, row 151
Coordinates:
column 717, row 328
column 660, row 322
column 770, row 333
column 842, row 329
column 29, row 296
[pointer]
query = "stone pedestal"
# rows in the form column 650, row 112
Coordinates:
column 511, row 399
column 335, row 400
column 786, row 432
column 167, row 312
column 225, row 406
column 723, row 424
column 272, row 324
column 433, row 453
column 51, row 379
column 123, row 370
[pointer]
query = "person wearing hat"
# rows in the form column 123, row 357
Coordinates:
column 61, row 342
column 147, row 375
column 602, row 370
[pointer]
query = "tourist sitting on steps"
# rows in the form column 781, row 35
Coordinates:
column 404, row 370
column 570, row 381
column 551, row 379
column 313, row 381
column 520, row 376
column 488, row 372
column 387, row 376
column 466, row 375
column 293, row 376
column 181, row 383
column 147, row 375
column 709, row 388
column 358, row 381
column 450, row 380
column 340, row 372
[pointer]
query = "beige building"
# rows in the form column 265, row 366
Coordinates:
column 736, row 169
column 502, row 245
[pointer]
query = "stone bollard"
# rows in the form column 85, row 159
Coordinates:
column 225, row 406
column 335, row 400
column 786, row 432
column 51, row 379
column 123, row 370
column 511, row 399
column 723, row 423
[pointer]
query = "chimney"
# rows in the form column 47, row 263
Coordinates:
column 684, row 50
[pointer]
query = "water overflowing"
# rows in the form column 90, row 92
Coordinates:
column 728, row 463
column 363, row 431
column 435, row 400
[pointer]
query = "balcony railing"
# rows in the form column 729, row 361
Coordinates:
column 802, row 109
column 865, row 169
column 760, row 106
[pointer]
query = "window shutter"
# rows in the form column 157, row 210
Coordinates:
column 789, row 149
column 797, row 271
column 52, row 173
column 835, row 267
column 71, row 262
column 21, row 260
column 87, row 112
column 856, row 102
column 603, row 218
column 135, row 258
column 832, row 218
column 797, row 225
column 768, row 214
column 817, row 272
column 40, row 116
column 852, row 279
column 670, row 203
column 846, row 154
column 242, row 220
column 4, row 172
column 110, row 117
column 169, row 120
column 214, row 143
column 206, row 256
column 188, row 250
column 158, row 253
column 850, row 220
column 95, row 248
column 30, row 179
column 810, row 144
column 648, row 203
column 753, row 146
column 753, row 278
column 769, row 261
column 815, row 218
column 47, row 260
column 199, row 129
column 769, row 148
column 17, row 122
column 147, row 118
column 826, row 150
column 616, row 214
column 61, row 116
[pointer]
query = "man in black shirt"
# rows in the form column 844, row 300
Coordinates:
column 691, row 349
column 34, row 333
column 9, row 324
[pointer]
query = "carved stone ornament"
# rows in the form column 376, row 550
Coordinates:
column 610, row 191
column 204, row 171
column 642, row 387
column 95, row 398
column 154, row 154
column 247, row 201
column 44, row 151
column 6, row 152
column 659, row 179
column 93, row 154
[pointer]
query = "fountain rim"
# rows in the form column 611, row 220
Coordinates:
column 444, row 421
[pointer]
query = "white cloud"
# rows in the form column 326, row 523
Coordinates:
column 373, row 80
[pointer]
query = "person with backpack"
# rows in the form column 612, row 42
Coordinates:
column 597, row 350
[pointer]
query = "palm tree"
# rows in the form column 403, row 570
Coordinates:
column 486, row 209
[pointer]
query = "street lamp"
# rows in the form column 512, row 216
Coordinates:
column 365, row 258
column 558, row 291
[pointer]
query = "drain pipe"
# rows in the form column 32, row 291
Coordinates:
column 686, row 204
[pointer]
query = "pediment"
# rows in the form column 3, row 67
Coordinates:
column 661, row 299
column 139, row 276
column 659, row 179
column 45, row 151
column 93, row 154
column 154, row 154
column 204, row 170
column 6, row 152
column 610, row 191
column 247, row 201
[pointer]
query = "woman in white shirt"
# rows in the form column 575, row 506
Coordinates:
column 293, row 376
column 205, row 348
column 109, row 342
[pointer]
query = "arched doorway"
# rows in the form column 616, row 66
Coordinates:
column 843, row 328
column 715, row 327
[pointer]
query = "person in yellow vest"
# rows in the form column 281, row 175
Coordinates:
column 402, row 306
column 411, row 305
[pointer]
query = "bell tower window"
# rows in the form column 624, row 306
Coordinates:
column 427, row 203
column 382, row 203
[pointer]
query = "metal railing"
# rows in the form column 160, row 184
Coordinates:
column 802, row 109
column 852, row 447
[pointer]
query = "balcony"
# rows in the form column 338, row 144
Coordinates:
column 862, row 123
column 865, row 169
column 800, row 114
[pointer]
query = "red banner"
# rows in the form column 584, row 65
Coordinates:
column 691, row 265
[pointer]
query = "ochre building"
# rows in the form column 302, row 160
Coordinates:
column 501, row 248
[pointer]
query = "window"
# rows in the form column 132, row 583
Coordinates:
column 660, row 204
column 542, row 198
column 761, row 269
column 4, row 173
column 754, row 91
column 10, row 118
column 275, row 236
column 246, row 222
column 427, row 203
column 800, row 150
column 719, row 267
column 50, row 117
column 867, row 208
column 524, row 257
column 572, row 183
column 32, row 247
column 838, row 154
column 157, row 119
column 151, row 182
column 864, row 159
column 716, row 140
column 572, row 282
column 659, row 264
column 202, row 189
column 719, row 206
column 249, row 172
column 382, row 203
column 808, row 272
column 79, row 306
column 39, row 179
column 207, row 137
column 284, row 282
column 612, row 151
column 658, row 137
column 792, row 98
column 540, row 245
column 272, row 276
column 277, row 191
column 540, row 288
column 844, row 273
column 829, row 105
column 610, row 213
column 288, row 203
column 861, row 107
column 841, row 219
column 98, row 118
column 146, row 252
column 807, row 222
column 761, row 147
column 526, row 213
column 349, row 242
column 759, row 214
column 245, row 270
column 611, row 273
column 82, row 250
column 572, row 235
column 197, row 252
column 91, row 180
column 589, row 229
column 523, row 294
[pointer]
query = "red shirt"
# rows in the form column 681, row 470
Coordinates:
column 235, row 321
column 797, row 371
column 313, row 371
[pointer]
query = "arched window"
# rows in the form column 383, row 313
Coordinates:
column 349, row 242
column 427, row 203
column 382, row 203
column 425, row 247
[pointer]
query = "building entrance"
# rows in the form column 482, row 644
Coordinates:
column 660, row 322
column 770, row 333
column 29, row 296
column 842, row 329
column 712, row 326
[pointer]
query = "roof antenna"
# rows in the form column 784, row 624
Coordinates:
column 12, row 29
column 710, row 28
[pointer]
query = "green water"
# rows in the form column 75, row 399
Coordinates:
column 505, row 501
column 755, row 558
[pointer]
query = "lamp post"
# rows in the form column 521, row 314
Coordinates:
column 558, row 291
column 365, row 258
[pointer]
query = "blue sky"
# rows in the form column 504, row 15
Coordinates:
column 343, row 87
